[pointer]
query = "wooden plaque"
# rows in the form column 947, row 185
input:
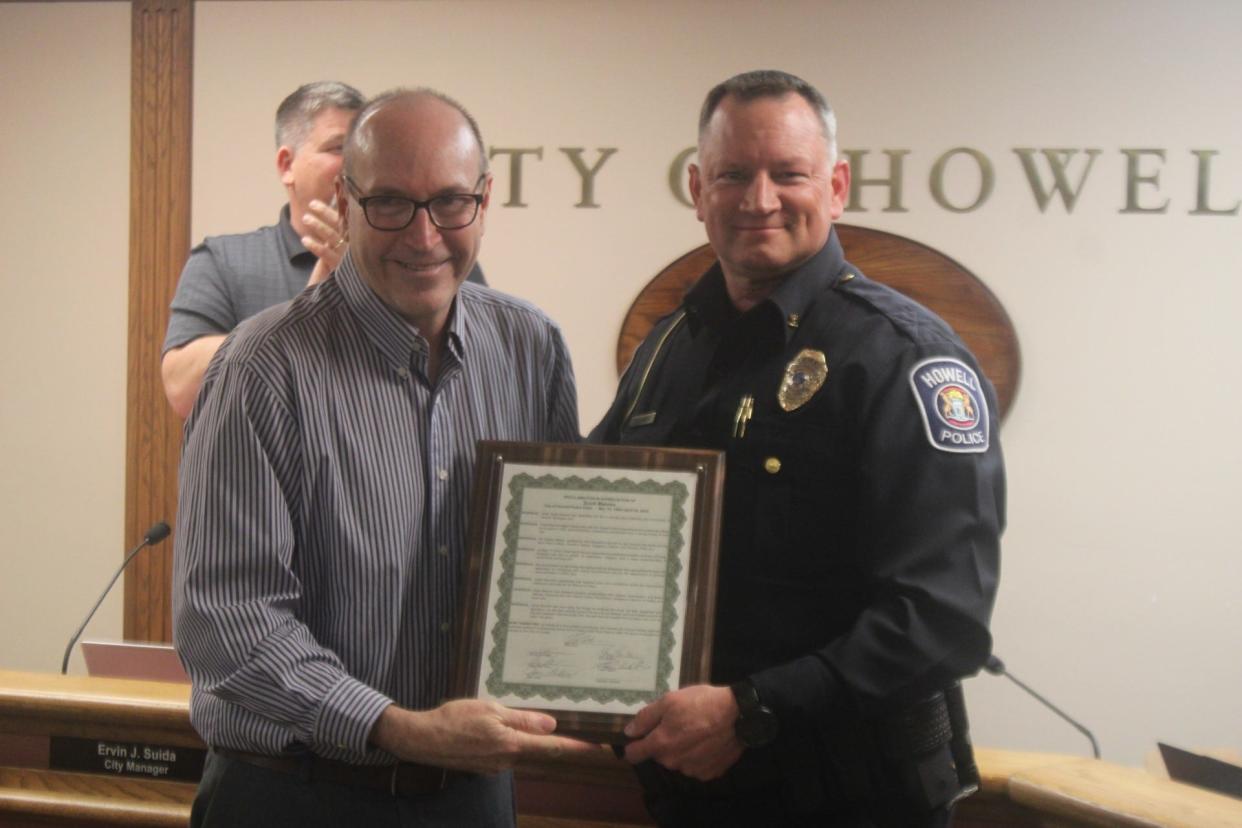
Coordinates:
column 590, row 587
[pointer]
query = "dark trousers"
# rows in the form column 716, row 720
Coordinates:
column 236, row 794
column 676, row 802
column 751, row 811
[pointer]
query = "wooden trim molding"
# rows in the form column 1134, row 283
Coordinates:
column 159, row 239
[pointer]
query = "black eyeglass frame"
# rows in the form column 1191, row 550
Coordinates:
column 362, row 200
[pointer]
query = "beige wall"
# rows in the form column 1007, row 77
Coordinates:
column 64, row 230
column 1121, row 565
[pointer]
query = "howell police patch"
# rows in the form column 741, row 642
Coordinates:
column 950, row 397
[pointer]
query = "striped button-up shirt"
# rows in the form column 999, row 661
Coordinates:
column 322, row 520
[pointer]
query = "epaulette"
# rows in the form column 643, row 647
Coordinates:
column 909, row 317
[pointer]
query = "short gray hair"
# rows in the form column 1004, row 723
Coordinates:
column 296, row 114
column 352, row 147
column 771, row 83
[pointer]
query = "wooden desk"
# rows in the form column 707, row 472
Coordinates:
column 1051, row 789
column 34, row 707
column 599, row 792
column 1018, row 789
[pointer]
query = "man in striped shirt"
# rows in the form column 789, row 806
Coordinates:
column 322, row 519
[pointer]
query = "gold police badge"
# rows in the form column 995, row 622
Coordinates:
column 804, row 375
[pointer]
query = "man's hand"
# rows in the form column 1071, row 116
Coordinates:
column 324, row 238
column 471, row 735
column 688, row 730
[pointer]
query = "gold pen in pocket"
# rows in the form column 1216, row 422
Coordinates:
column 745, row 410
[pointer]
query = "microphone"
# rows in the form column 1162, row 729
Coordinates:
column 997, row 668
column 153, row 536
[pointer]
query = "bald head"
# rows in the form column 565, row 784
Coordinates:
column 385, row 116
column 416, row 155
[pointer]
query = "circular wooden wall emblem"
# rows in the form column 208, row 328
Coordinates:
column 925, row 275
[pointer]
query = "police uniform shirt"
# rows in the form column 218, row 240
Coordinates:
column 859, row 551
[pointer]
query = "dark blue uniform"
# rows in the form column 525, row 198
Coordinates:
column 862, row 517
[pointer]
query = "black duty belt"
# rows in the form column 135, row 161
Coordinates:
column 403, row 779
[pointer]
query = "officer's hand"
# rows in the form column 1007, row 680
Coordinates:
column 688, row 730
column 324, row 238
column 471, row 735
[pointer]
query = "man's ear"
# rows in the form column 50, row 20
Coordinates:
column 342, row 204
column 696, row 190
column 487, row 200
column 840, row 188
column 284, row 165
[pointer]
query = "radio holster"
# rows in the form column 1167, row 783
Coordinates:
column 927, row 744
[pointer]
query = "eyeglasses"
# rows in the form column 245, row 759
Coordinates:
column 451, row 211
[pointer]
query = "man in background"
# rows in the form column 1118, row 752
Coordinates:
column 230, row 278
column 864, row 499
column 324, row 483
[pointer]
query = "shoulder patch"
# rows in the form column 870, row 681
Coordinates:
column 951, row 400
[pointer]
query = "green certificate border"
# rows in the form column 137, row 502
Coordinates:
column 518, row 486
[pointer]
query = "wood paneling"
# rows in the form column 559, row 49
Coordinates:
column 159, row 239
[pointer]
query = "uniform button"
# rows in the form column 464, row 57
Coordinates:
column 404, row 373
column 445, row 626
column 442, row 551
column 442, row 474
column 772, row 465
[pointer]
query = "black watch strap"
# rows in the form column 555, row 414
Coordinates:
column 756, row 724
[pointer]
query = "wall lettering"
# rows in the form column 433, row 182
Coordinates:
column 892, row 181
column 1202, row 186
column 987, row 179
column 1134, row 160
column 515, row 170
column 588, row 173
column 960, row 180
column 1058, row 160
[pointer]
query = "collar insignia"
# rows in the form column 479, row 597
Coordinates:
column 804, row 375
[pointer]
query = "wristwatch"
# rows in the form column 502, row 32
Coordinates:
column 756, row 724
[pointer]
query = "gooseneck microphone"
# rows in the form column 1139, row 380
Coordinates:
column 153, row 536
column 997, row 668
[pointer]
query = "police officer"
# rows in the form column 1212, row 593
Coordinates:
column 864, row 498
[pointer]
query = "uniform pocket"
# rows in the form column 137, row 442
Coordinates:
column 796, row 493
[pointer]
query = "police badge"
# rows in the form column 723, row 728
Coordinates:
column 804, row 375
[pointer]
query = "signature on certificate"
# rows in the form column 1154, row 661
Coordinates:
column 547, row 664
column 618, row 658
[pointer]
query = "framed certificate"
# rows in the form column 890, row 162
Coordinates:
column 590, row 588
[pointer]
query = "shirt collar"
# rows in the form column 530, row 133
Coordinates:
column 709, row 300
column 394, row 337
column 290, row 241
column 801, row 288
column 458, row 316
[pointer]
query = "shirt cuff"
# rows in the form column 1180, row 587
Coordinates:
column 801, row 693
column 347, row 716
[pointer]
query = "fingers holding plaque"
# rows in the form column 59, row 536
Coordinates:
column 590, row 589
